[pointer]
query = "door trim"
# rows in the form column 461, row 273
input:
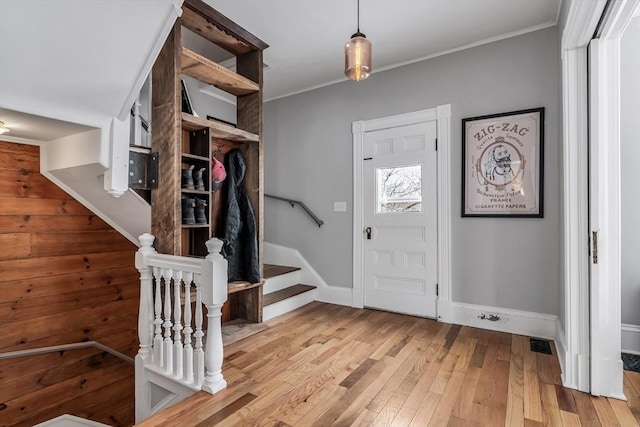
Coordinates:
column 573, row 333
column 606, row 310
column 441, row 114
column 580, row 26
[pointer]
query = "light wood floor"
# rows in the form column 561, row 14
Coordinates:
column 326, row 365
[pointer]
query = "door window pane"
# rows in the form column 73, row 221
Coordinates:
column 399, row 189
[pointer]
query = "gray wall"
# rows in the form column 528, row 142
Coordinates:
column 630, row 181
column 512, row 263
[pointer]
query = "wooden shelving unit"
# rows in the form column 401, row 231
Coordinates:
column 182, row 140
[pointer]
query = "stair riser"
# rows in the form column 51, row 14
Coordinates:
column 280, row 282
column 290, row 304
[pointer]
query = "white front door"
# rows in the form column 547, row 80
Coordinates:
column 400, row 219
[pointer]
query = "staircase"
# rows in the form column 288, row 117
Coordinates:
column 283, row 291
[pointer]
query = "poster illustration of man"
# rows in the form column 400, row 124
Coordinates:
column 497, row 163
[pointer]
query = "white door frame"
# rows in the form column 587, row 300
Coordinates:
column 442, row 114
column 573, row 337
column 601, row 376
column 606, row 310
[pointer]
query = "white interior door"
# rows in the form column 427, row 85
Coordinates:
column 400, row 219
column 604, row 219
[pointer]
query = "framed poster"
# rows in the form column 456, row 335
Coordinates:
column 502, row 164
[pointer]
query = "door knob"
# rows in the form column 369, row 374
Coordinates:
column 368, row 231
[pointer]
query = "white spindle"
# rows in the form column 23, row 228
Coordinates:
column 198, row 363
column 157, row 322
column 177, row 325
column 168, row 344
column 188, row 330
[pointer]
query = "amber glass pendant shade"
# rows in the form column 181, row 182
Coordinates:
column 357, row 57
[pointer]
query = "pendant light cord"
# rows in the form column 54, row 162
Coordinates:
column 358, row 15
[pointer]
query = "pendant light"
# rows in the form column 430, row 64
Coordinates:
column 357, row 55
column 3, row 128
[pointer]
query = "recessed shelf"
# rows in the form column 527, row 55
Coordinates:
column 187, row 191
column 218, row 130
column 195, row 225
column 195, row 157
column 234, row 287
column 193, row 19
column 207, row 71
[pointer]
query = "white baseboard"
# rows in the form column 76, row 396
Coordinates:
column 561, row 348
column 631, row 339
column 504, row 320
column 335, row 295
column 569, row 376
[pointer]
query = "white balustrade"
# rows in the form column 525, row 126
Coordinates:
column 170, row 329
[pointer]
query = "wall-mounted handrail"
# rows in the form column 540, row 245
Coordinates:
column 64, row 347
column 301, row 204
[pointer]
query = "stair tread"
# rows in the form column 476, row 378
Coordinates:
column 272, row 270
column 285, row 293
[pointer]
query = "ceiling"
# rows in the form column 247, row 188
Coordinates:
column 38, row 128
column 100, row 59
column 306, row 37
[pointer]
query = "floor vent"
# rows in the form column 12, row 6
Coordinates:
column 631, row 362
column 540, row 346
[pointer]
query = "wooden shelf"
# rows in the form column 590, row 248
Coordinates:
column 195, row 157
column 139, row 148
column 234, row 287
column 197, row 23
column 207, row 71
column 187, row 191
column 195, row 225
column 218, row 130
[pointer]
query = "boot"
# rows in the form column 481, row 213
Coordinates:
column 201, row 211
column 188, row 206
column 197, row 177
column 187, row 178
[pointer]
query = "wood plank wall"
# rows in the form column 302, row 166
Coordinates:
column 65, row 275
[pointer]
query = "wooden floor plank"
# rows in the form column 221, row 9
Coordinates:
column 532, row 402
column 324, row 365
column 622, row 412
column 515, row 396
column 586, row 411
column 605, row 412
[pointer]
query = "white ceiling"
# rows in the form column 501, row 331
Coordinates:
column 307, row 37
column 37, row 128
column 67, row 59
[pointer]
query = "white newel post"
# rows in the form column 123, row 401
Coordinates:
column 214, row 295
column 145, row 313
column 145, row 325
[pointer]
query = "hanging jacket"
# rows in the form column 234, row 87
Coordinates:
column 241, row 244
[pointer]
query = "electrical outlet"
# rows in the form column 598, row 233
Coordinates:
column 339, row 206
